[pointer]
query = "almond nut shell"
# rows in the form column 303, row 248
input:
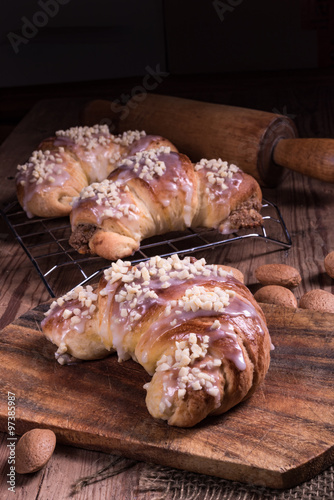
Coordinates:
column 33, row 450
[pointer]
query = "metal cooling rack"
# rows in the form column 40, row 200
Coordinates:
column 45, row 241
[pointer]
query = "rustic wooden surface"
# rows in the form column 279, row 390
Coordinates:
column 306, row 205
column 101, row 405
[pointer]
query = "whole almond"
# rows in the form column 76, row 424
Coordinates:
column 318, row 300
column 329, row 264
column 236, row 273
column 33, row 450
column 275, row 294
column 278, row 274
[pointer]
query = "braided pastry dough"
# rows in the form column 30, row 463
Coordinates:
column 70, row 161
column 194, row 327
column 158, row 191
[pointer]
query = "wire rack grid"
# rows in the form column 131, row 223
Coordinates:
column 45, row 241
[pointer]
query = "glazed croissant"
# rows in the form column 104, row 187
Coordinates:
column 65, row 164
column 194, row 327
column 158, row 191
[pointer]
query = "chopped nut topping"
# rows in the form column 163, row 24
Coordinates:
column 147, row 164
column 88, row 137
column 99, row 135
column 108, row 195
column 127, row 138
column 141, row 283
column 197, row 297
column 135, row 288
column 42, row 166
column 83, row 300
column 217, row 172
column 189, row 375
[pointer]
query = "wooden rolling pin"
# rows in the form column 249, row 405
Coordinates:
column 262, row 144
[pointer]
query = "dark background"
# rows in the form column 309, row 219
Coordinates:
column 223, row 51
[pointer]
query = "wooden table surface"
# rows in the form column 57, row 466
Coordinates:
column 307, row 206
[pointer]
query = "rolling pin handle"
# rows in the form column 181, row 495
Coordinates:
column 311, row 157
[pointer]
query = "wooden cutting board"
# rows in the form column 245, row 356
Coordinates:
column 279, row 438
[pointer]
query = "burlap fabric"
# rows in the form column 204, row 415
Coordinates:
column 170, row 484
column 165, row 483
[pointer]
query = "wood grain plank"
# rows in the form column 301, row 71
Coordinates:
column 282, row 436
column 69, row 465
column 307, row 207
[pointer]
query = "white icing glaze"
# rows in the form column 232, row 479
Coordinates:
column 97, row 150
column 108, row 199
column 173, row 293
column 94, row 147
column 161, row 169
column 44, row 171
column 111, row 199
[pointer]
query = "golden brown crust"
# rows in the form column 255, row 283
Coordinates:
column 197, row 330
column 156, row 207
column 66, row 163
column 49, row 199
column 211, row 195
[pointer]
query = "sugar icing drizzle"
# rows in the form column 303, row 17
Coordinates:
column 95, row 146
column 220, row 177
column 43, row 171
column 157, row 167
column 199, row 290
column 110, row 199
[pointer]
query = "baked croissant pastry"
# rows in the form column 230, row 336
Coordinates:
column 193, row 326
column 65, row 164
column 158, row 191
